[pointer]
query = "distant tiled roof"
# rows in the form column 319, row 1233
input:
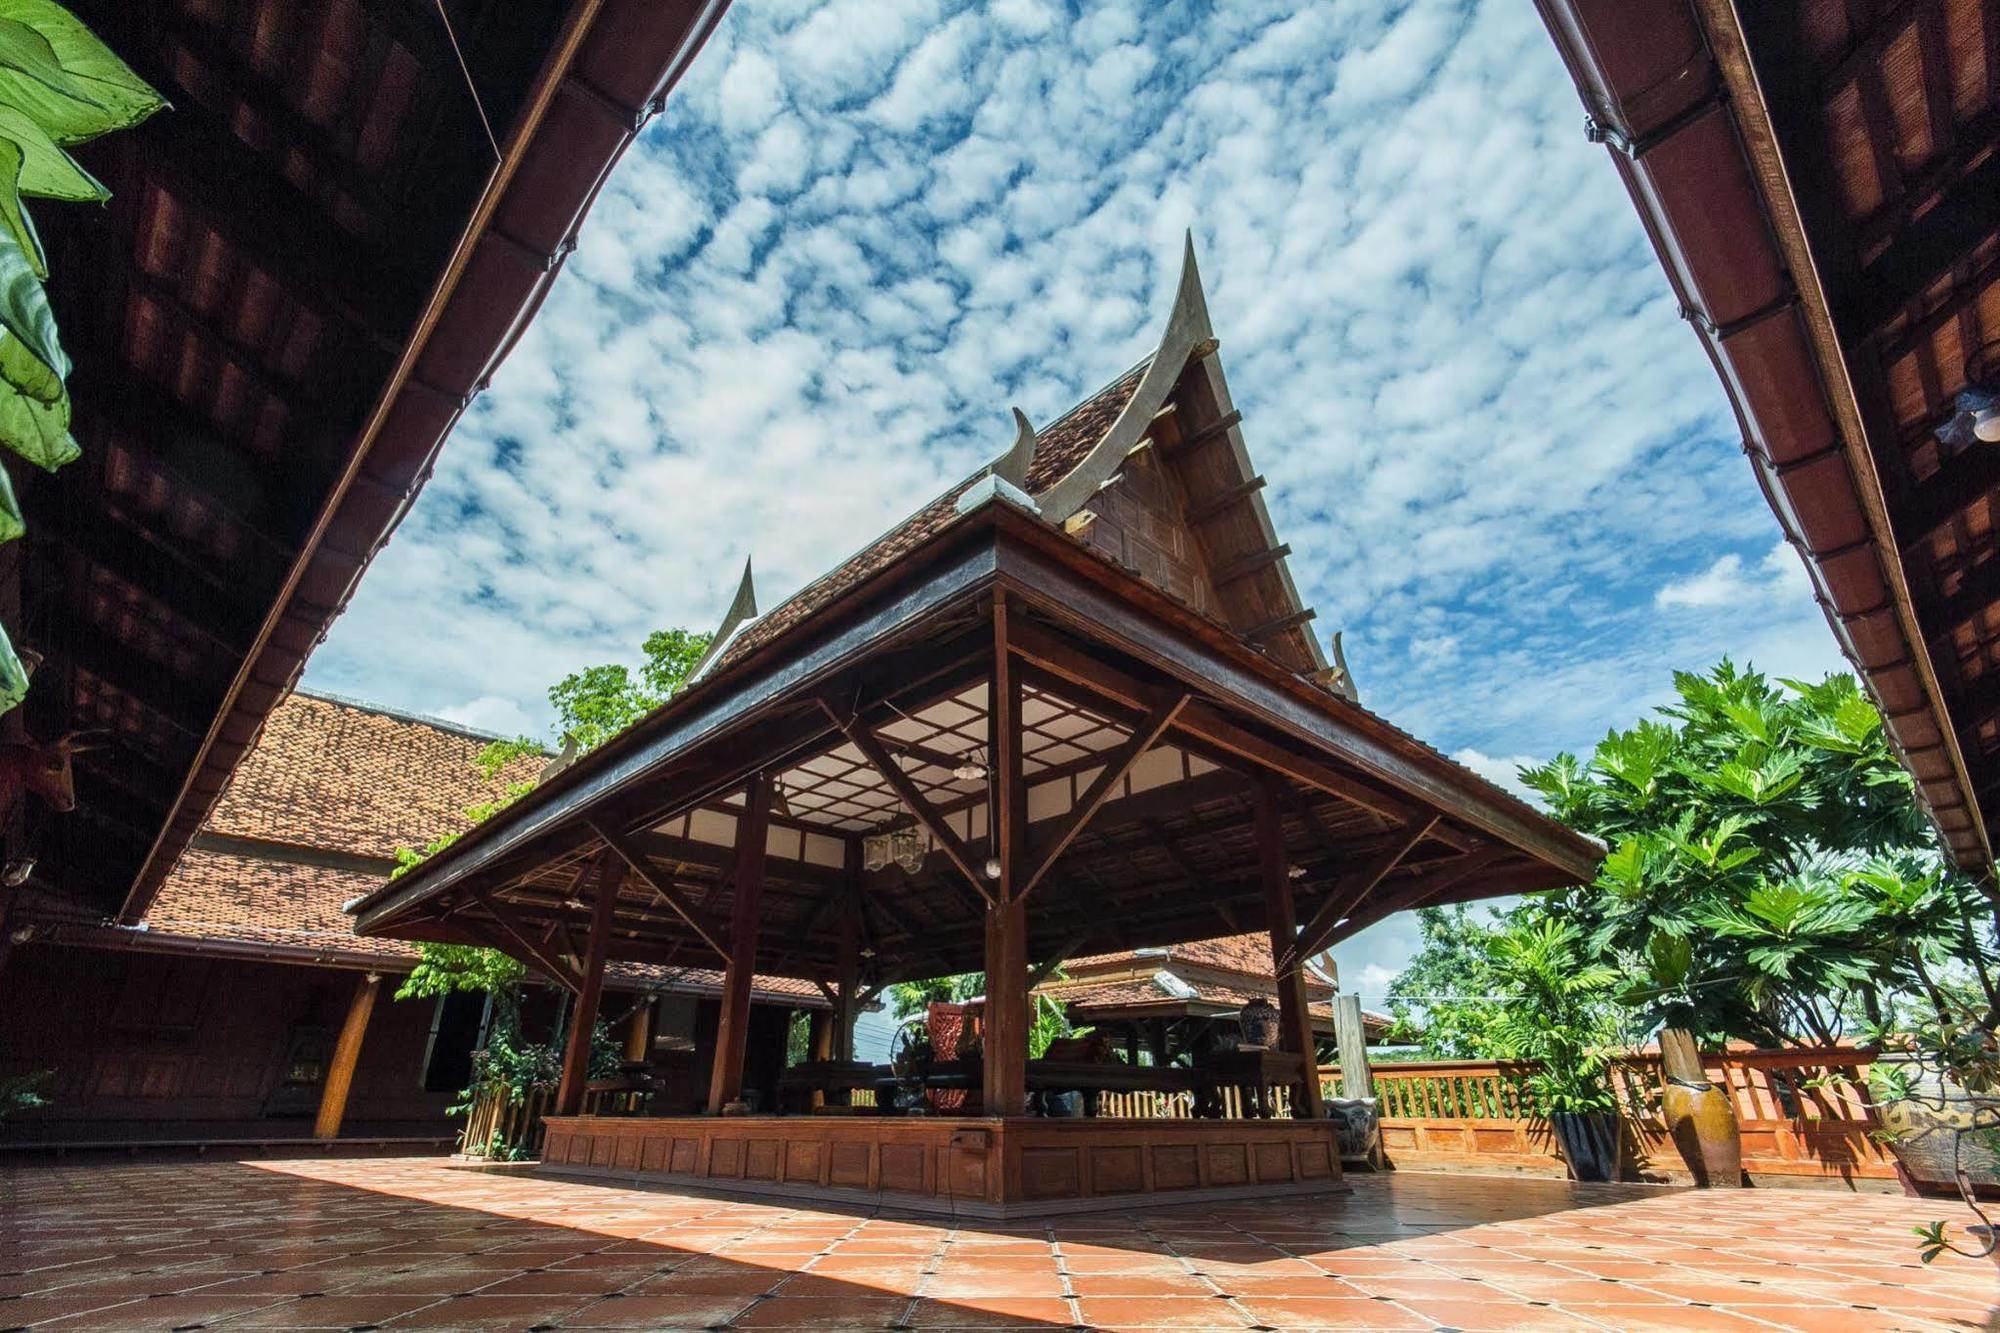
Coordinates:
column 1249, row 954
column 348, row 782
column 1059, row 447
column 343, row 776
column 1085, row 999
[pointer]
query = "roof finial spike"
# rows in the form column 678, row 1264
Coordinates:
column 1190, row 303
column 742, row 610
column 1012, row 466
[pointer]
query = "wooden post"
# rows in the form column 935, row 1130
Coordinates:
column 847, row 987
column 639, row 1031
column 733, row 1034
column 1350, row 1038
column 1006, row 1036
column 1294, row 1018
column 583, row 1014
column 346, row 1054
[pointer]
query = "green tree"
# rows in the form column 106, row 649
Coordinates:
column 1560, row 1012
column 1443, row 1000
column 1769, row 874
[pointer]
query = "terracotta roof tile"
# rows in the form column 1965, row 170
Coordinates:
column 340, row 778
column 1059, row 447
column 335, row 775
column 1249, row 954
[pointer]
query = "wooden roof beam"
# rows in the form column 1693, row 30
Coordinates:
column 1346, row 895
column 1117, row 764
column 927, row 815
column 131, row 556
column 1223, row 501
column 1291, row 620
column 713, row 933
column 1242, row 568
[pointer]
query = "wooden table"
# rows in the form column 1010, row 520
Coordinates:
column 1252, row 1072
column 835, row 1078
column 1094, row 1077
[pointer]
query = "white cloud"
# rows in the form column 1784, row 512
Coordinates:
column 490, row 712
column 1502, row 771
column 864, row 229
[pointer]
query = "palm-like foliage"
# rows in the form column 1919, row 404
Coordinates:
column 1769, row 875
column 1559, row 1013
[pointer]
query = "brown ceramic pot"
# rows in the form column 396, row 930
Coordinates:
column 1699, row 1118
column 1703, row 1127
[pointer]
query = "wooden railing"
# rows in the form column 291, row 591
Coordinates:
column 1801, row 1113
column 496, row 1124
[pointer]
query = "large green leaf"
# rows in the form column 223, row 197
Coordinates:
column 14, row 214
column 48, row 172
column 25, row 313
column 13, row 676
column 95, row 93
column 37, row 431
column 12, row 525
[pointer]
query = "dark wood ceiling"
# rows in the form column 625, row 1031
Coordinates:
column 300, row 281
column 1821, row 182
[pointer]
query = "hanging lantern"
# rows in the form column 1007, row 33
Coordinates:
column 906, row 847
column 874, row 851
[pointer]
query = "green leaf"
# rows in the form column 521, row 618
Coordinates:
column 13, row 676
column 12, row 525
column 47, row 171
column 14, row 214
column 37, row 431
column 93, row 91
column 25, row 313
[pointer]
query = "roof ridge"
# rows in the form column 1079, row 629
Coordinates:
column 400, row 714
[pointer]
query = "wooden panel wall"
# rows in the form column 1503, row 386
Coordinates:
column 988, row 1168
column 159, row 1046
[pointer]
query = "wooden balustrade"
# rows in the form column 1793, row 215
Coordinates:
column 1801, row 1112
column 496, row 1122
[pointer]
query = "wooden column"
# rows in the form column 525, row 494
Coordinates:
column 346, row 1054
column 1006, row 1036
column 747, row 885
column 639, row 1031
column 1294, row 1018
column 583, row 1014
column 847, row 983
column 1350, row 1038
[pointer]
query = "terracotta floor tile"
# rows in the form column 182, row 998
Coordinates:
column 165, row 1312
column 341, row 1312
column 1481, row 1316
column 1139, row 1284
column 946, row 1286
column 832, row 1312
column 1330, row 1312
column 1160, row 1312
column 490, row 1312
column 659, row 1312
column 990, row 1312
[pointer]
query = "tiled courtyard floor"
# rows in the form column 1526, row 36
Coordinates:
column 410, row 1243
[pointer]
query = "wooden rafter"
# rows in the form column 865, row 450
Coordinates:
column 1244, row 566
column 926, row 814
column 712, row 932
column 518, row 930
column 1223, row 501
column 1346, row 895
column 1117, row 764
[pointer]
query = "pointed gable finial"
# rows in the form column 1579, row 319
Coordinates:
column 742, row 610
column 1012, row 466
column 1187, row 331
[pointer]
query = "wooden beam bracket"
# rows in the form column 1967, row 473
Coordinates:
column 712, row 932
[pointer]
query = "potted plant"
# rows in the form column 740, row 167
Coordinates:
column 1559, row 1019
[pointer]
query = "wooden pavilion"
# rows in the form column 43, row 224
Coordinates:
column 1819, row 178
column 1069, row 705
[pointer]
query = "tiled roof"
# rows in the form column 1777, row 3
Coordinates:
column 1249, row 954
column 341, row 778
column 354, row 779
column 1084, row 998
column 1059, row 447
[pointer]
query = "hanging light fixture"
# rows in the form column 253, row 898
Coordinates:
column 907, row 849
column 1975, row 417
column 874, row 851
column 971, row 766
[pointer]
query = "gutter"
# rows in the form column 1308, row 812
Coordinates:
column 1674, row 97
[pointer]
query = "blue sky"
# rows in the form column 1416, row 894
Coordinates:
column 864, row 229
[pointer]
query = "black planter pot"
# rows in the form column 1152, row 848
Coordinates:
column 1589, row 1142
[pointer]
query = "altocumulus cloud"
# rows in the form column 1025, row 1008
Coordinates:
column 863, row 229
